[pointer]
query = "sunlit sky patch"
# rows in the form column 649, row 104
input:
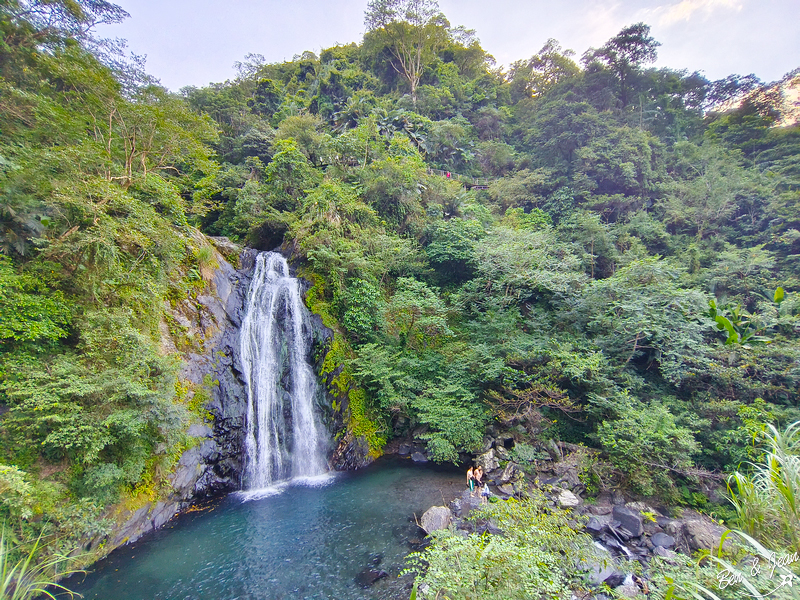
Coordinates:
column 194, row 42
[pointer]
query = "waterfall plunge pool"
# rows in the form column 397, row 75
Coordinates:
column 300, row 541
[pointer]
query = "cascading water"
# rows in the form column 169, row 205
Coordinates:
column 284, row 437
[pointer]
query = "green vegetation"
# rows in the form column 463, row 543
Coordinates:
column 28, row 577
column 535, row 557
column 101, row 171
column 766, row 499
column 632, row 262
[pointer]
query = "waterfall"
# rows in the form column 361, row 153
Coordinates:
column 284, row 437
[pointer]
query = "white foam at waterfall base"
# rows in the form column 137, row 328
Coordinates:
column 284, row 438
column 316, row 481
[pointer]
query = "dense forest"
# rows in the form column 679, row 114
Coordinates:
column 586, row 249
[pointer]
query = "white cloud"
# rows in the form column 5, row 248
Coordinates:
column 686, row 9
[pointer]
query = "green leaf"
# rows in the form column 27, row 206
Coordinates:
column 779, row 295
column 724, row 323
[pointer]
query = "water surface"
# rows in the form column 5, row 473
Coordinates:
column 308, row 541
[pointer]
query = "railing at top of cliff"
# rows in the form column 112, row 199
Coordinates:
column 468, row 181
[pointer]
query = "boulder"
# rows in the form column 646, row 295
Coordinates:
column 567, row 499
column 667, row 555
column 600, row 509
column 419, row 457
column 615, row 579
column 369, row 576
column 461, row 507
column 225, row 246
column 651, row 527
column 510, row 473
column 568, row 476
column 594, row 526
column 630, row 520
column 628, row 590
column 435, row 518
column 554, row 451
column 487, row 461
column 506, row 489
column 404, row 449
column 663, row 540
column 600, row 567
column 701, row 534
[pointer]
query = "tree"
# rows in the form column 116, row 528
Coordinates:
column 534, row 77
column 413, row 30
column 416, row 316
column 29, row 23
column 522, row 264
column 625, row 53
column 642, row 315
column 710, row 190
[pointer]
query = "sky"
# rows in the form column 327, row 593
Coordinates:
column 195, row 42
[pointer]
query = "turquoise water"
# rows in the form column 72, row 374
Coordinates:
column 306, row 541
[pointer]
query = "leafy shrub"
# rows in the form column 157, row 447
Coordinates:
column 648, row 446
column 534, row 557
column 767, row 500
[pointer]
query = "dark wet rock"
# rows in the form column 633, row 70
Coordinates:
column 367, row 577
column 629, row 520
column 415, row 543
column 620, row 532
column 404, row 449
column 436, row 518
column 651, row 527
column 610, row 541
column 487, row 526
column 419, row 457
column 352, row 453
column 163, row 512
column 663, row 540
column 594, row 526
column 614, row 580
column 137, row 525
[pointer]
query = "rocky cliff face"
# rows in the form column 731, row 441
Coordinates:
column 204, row 331
column 212, row 373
